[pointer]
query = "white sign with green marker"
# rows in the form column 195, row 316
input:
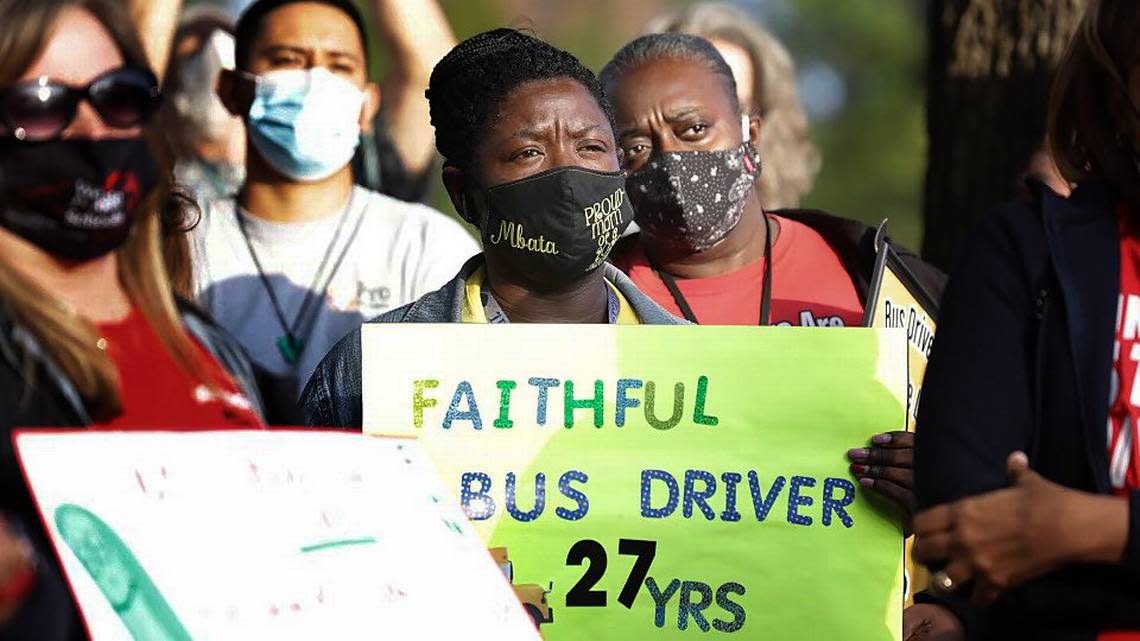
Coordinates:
column 263, row 535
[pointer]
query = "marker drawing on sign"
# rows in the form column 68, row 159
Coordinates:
column 119, row 576
column 340, row 543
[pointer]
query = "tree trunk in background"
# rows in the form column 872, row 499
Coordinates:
column 990, row 66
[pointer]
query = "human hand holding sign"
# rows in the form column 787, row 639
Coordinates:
column 887, row 468
column 1006, row 537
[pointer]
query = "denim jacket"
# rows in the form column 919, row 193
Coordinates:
column 332, row 396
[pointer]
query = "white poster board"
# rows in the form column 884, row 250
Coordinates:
column 263, row 535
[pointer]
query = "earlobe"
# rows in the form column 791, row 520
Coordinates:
column 455, row 183
column 371, row 107
column 752, row 128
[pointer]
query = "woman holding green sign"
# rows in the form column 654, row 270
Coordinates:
column 530, row 160
column 707, row 247
column 1027, row 463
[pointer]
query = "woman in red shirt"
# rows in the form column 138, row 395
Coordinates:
column 708, row 249
column 90, row 332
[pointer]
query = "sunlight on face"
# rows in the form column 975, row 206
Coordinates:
column 79, row 50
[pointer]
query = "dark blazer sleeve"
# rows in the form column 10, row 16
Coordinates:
column 332, row 397
column 977, row 403
column 978, row 407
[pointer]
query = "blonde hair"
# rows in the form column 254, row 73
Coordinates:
column 68, row 339
column 1085, row 138
column 790, row 160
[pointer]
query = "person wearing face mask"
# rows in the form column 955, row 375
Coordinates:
column 530, row 161
column 397, row 157
column 765, row 77
column 708, row 249
column 1028, row 456
column 91, row 335
column 301, row 257
column 208, row 141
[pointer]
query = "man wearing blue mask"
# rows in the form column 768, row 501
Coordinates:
column 301, row 257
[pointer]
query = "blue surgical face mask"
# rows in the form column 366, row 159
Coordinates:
column 305, row 122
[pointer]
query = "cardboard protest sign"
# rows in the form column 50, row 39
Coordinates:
column 263, row 535
column 661, row 481
column 898, row 301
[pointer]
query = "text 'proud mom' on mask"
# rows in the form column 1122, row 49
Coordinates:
column 558, row 225
column 604, row 219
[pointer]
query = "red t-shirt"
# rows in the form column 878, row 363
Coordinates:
column 810, row 287
column 1124, row 411
column 157, row 394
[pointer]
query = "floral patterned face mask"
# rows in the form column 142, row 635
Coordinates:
column 691, row 200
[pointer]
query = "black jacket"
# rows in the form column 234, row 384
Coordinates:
column 855, row 244
column 50, row 400
column 1022, row 361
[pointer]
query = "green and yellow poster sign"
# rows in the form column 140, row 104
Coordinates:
column 661, row 482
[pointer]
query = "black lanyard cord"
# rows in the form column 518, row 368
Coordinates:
column 306, row 325
column 765, row 287
column 291, row 329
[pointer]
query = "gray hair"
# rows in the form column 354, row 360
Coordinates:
column 675, row 46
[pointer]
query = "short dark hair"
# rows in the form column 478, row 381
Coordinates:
column 678, row 46
column 468, row 86
column 249, row 24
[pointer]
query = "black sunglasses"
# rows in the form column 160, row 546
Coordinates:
column 41, row 109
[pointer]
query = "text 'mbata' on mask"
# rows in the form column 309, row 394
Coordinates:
column 557, row 226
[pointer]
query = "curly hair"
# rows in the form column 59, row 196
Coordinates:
column 469, row 85
column 791, row 160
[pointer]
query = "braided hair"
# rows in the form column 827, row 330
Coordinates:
column 468, row 87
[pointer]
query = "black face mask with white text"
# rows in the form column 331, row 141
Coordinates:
column 557, row 226
column 75, row 199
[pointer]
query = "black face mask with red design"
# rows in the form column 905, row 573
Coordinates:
column 75, row 199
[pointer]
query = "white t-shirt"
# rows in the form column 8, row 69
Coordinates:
column 400, row 252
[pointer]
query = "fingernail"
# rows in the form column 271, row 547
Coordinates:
column 858, row 453
column 881, row 439
column 866, row 482
column 859, row 470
